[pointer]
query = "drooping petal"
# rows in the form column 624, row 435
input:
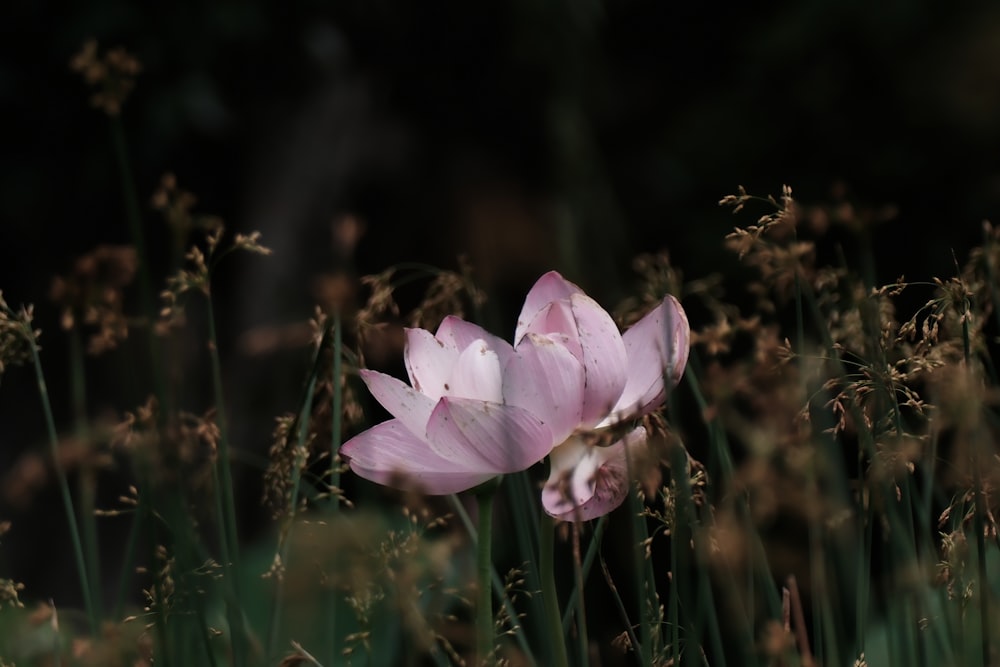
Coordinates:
column 476, row 374
column 390, row 454
column 403, row 402
column 544, row 378
column 586, row 482
column 428, row 361
column 547, row 289
column 490, row 437
column 460, row 334
column 604, row 358
column 657, row 347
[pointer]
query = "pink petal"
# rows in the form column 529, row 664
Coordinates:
column 460, row 334
column 544, row 378
column 476, row 374
column 604, row 358
column 406, row 404
column 488, row 437
column 550, row 287
column 557, row 319
column 657, row 347
column 586, row 482
column 391, row 455
column 428, row 362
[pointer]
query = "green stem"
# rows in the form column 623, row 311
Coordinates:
column 64, row 491
column 546, row 566
column 226, row 504
column 484, row 570
column 301, row 455
column 498, row 585
column 87, row 480
column 336, row 428
column 588, row 561
column 980, row 512
column 581, row 609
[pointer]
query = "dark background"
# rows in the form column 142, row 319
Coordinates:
column 528, row 135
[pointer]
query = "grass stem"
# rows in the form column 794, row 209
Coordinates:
column 546, row 558
column 64, row 491
column 484, row 570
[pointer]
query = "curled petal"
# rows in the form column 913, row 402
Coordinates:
column 556, row 320
column 403, row 402
column 489, row 437
column 476, row 374
column 429, row 362
column 657, row 347
column 549, row 288
column 544, row 378
column 604, row 358
column 586, row 482
column 391, row 455
column 459, row 334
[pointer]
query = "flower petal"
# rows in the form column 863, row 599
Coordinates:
column 489, row 437
column 459, row 333
column 586, row 482
column 657, row 347
column 550, row 287
column 429, row 362
column 544, row 378
column 604, row 358
column 403, row 402
column 476, row 374
column 391, row 455
column 556, row 320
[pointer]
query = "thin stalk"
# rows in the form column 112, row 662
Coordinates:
column 593, row 551
column 132, row 214
column 682, row 535
column 721, row 469
column 980, row 512
column 524, row 506
column 863, row 558
column 337, row 410
column 643, row 582
column 633, row 640
column 86, row 482
column 673, row 616
column 498, row 587
column 546, row 565
column 302, row 434
column 128, row 566
column 581, row 609
column 67, row 497
column 336, row 427
column 484, row 570
column 136, row 232
column 226, row 502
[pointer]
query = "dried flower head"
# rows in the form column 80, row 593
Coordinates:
column 176, row 204
column 16, row 335
column 197, row 274
column 448, row 294
column 113, row 76
column 92, row 294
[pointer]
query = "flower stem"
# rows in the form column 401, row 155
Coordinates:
column 67, row 496
column 581, row 616
column 225, row 501
column 546, row 569
column 484, row 570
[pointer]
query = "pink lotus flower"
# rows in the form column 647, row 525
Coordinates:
column 477, row 407
column 623, row 378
